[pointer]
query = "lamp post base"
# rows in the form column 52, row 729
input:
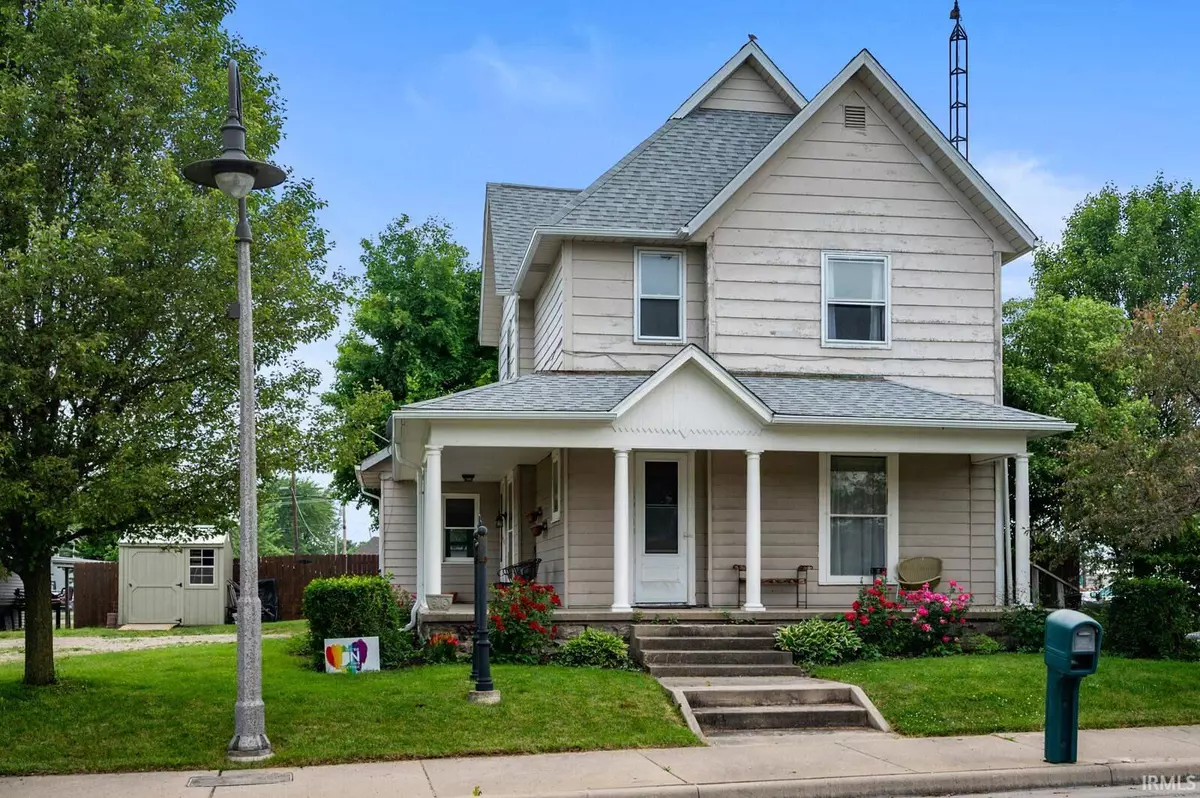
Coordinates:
column 484, row 697
column 251, row 748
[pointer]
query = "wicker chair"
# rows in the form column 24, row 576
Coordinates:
column 917, row 571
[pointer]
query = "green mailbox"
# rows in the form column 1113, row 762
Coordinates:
column 1072, row 652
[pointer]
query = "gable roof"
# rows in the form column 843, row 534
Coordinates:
column 758, row 60
column 513, row 211
column 925, row 133
column 668, row 178
column 715, row 371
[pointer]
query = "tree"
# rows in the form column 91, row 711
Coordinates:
column 413, row 336
column 1126, row 249
column 319, row 524
column 1136, row 487
column 118, row 377
column 1058, row 361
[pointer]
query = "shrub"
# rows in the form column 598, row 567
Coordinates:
column 440, row 649
column 917, row 623
column 594, row 648
column 977, row 643
column 818, row 642
column 521, row 621
column 1023, row 629
column 359, row 606
column 1150, row 617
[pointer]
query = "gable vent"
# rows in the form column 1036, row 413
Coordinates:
column 855, row 117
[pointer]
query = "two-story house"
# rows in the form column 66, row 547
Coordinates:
column 768, row 338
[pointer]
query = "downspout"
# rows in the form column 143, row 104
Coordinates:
column 414, row 614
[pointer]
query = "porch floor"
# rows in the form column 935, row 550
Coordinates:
column 464, row 613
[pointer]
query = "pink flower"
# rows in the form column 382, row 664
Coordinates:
column 942, row 621
column 926, row 627
column 953, row 583
column 945, row 638
column 922, row 611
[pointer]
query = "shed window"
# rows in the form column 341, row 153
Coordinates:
column 460, row 514
column 855, row 299
column 659, row 303
column 202, row 566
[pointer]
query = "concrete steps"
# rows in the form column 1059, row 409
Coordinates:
column 710, row 650
column 716, row 720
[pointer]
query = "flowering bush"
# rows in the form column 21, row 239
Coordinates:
column 521, row 620
column 441, row 648
column 916, row 623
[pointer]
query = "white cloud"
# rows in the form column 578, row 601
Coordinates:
column 1042, row 197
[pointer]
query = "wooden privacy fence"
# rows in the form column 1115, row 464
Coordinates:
column 292, row 575
column 95, row 592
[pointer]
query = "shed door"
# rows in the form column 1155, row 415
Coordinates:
column 155, row 586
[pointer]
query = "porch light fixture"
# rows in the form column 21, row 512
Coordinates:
column 468, row 477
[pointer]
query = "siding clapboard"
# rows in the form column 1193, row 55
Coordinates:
column 525, row 325
column 590, row 499
column 509, row 335
column 548, row 321
column 602, row 309
column 746, row 90
column 860, row 191
column 549, row 545
column 398, row 532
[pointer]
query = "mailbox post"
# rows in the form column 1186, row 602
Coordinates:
column 1072, row 651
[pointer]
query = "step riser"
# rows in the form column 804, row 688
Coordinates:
column 798, row 719
column 706, row 643
column 697, row 630
column 711, row 671
column 703, row 699
column 716, row 658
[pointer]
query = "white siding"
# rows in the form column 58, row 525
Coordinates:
column 850, row 190
column 745, row 90
column 549, row 545
column 509, row 336
column 525, row 331
column 548, row 321
column 602, row 309
column 590, row 504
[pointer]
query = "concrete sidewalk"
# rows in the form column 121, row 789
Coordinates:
column 821, row 765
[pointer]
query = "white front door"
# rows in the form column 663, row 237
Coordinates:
column 662, row 543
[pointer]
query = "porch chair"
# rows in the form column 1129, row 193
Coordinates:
column 914, row 572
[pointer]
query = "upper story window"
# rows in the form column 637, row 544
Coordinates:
column 659, row 305
column 855, row 299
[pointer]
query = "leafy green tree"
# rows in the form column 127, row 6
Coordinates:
column 413, row 336
column 319, row 524
column 118, row 375
column 1135, row 487
column 1058, row 361
column 1128, row 249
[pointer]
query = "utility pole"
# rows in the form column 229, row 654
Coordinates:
column 295, row 519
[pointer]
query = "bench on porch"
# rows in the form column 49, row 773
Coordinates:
column 800, row 579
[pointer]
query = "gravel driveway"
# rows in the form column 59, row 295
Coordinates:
column 14, row 649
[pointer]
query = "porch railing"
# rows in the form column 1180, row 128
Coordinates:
column 1061, row 586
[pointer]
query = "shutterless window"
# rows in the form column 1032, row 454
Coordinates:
column 555, row 485
column 460, row 515
column 659, row 307
column 858, row 515
column 855, row 299
column 202, row 566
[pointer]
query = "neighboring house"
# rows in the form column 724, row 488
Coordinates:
column 368, row 546
column 768, row 337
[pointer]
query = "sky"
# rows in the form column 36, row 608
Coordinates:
column 396, row 107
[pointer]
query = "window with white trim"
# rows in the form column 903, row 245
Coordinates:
column 855, row 299
column 859, row 516
column 202, row 566
column 555, row 485
column 460, row 513
column 659, row 301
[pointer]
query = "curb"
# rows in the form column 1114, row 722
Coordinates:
column 1116, row 774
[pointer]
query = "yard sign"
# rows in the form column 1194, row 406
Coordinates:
column 351, row 654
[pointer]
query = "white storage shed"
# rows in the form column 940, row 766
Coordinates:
column 179, row 581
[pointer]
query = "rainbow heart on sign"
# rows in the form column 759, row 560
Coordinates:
column 333, row 655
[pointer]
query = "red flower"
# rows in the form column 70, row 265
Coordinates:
column 554, row 630
column 851, row 617
column 864, row 620
column 555, row 600
column 856, row 606
column 540, row 607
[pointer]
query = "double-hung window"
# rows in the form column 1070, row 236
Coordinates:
column 855, row 299
column 859, row 517
column 659, row 304
column 460, row 513
column 202, row 566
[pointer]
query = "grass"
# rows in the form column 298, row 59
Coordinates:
column 171, row 708
column 278, row 627
column 1006, row 693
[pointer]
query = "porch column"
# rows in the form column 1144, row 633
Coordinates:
column 621, row 531
column 753, row 533
column 1021, row 533
column 433, row 520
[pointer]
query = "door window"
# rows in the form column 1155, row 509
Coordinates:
column 662, row 507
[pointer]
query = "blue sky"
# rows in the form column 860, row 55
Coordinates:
column 400, row 107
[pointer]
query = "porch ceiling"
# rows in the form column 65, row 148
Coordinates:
column 487, row 464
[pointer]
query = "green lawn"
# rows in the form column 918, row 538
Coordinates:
column 1006, row 693
column 278, row 627
column 172, row 709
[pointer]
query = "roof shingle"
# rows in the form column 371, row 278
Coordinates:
column 513, row 212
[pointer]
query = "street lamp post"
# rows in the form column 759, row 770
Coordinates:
column 236, row 176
